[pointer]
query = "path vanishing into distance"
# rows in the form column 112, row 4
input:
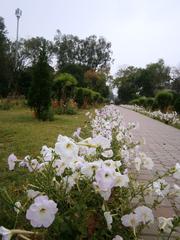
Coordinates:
column 162, row 144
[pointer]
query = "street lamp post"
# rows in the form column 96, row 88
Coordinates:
column 18, row 14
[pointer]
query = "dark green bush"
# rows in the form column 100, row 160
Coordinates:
column 5, row 105
column 164, row 99
column 142, row 101
column 134, row 102
column 177, row 104
column 86, row 96
column 149, row 102
column 46, row 114
column 39, row 98
column 64, row 86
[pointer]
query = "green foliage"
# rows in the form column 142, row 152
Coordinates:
column 77, row 71
column 86, row 96
column 146, row 102
column 39, row 97
column 149, row 102
column 177, row 104
column 164, row 99
column 46, row 114
column 135, row 102
column 5, row 67
column 142, row 101
column 64, row 86
column 133, row 82
column 97, row 82
column 92, row 52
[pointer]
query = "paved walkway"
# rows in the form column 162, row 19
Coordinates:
column 163, row 146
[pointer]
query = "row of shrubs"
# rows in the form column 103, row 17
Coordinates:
column 164, row 100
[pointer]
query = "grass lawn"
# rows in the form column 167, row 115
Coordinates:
column 22, row 134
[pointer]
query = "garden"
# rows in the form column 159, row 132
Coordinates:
column 70, row 164
column 81, row 186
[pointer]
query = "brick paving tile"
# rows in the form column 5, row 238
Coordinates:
column 162, row 144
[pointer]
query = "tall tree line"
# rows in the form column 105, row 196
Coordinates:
column 71, row 54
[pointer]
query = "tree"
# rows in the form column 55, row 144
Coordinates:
column 92, row 52
column 155, row 77
column 29, row 50
column 5, row 70
column 97, row 82
column 77, row 71
column 133, row 82
column 64, row 86
column 126, row 82
column 40, row 91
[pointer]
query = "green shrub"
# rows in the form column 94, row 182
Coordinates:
column 177, row 104
column 5, row 105
column 71, row 107
column 164, row 99
column 46, row 114
column 134, row 102
column 64, row 86
column 86, row 96
column 39, row 98
column 142, row 101
column 149, row 102
column 79, row 97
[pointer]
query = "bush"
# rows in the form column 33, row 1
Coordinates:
column 149, row 102
column 134, row 102
column 64, row 86
column 177, row 104
column 71, row 107
column 142, row 101
column 39, row 98
column 86, row 96
column 164, row 99
column 46, row 114
column 5, row 104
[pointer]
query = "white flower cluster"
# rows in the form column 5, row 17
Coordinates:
column 169, row 118
column 106, row 163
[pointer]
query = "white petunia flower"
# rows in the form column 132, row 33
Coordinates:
column 101, row 141
column 32, row 194
column 177, row 173
column 12, row 161
column 6, row 233
column 47, row 153
column 105, row 178
column 165, row 224
column 144, row 214
column 66, row 148
column 117, row 237
column 33, row 165
column 59, row 166
column 77, row 133
column 130, row 220
column 88, row 169
column 17, row 207
column 121, row 180
column 42, row 212
column 161, row 187
column 109, row 219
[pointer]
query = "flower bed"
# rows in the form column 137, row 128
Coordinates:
column 89, row 188
column 168, row 118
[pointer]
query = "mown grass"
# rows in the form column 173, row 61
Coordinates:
column 22, row 134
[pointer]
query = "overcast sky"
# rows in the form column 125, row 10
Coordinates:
column 141, row 31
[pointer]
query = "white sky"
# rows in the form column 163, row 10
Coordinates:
column 141, row 31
